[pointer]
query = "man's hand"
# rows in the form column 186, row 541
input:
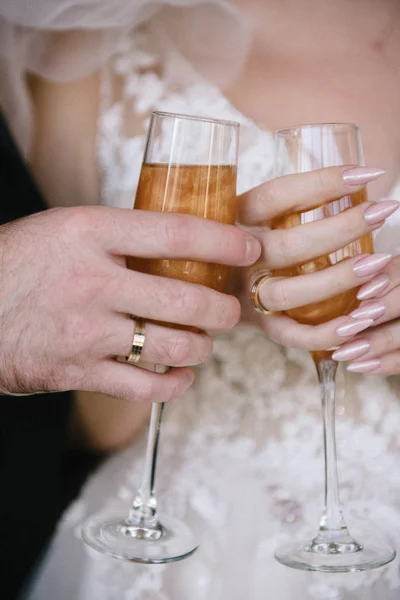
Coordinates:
column 66, row 298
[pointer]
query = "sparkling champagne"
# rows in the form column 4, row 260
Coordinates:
column 342, row 304
column 200, row 190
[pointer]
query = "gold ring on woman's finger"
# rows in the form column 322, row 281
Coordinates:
column 255, row 294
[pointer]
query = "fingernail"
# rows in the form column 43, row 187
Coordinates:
column 364, row 367
column 380, row 211
column 371, row 264
column 253, row 249
column 361, row 175
column 352, row 350
column 374, row 287
column 372, row 310
column 353, row 327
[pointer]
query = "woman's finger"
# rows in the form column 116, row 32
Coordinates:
column 383, row 283
column 172, row 301
column 163, row 345
column 380, row 339
column 131, row 383
column 382, row 309
column 388, row 364
column 372, row 344
column 283, row 247
column 299, row 192
column 285, row 293
column 286, row 332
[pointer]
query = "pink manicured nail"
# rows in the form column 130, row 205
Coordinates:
column 364, row 367
column 372, row 310
column 352, row 350
column 374, row 287
column 361, row 175
column 380, row 211
column 371, row 264
column 353, row 327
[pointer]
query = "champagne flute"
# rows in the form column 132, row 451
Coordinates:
column 301, row 149
column 189, row 166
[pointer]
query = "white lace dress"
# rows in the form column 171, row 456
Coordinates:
column 241, row 454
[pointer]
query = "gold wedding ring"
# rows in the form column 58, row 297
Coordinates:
column 138, row 341
column 255, row 294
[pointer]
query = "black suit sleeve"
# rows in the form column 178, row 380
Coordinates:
column 38, row 474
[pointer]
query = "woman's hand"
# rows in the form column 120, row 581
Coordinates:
column 289, row 247
column 66, row 298
column 377, row 350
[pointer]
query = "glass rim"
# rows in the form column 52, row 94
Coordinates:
column 160, row 113
column 350, row 126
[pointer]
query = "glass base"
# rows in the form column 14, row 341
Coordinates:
column 114, row 536
column 335, row 558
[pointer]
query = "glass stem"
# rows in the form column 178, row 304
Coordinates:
column 143, row 512
column 333, row 535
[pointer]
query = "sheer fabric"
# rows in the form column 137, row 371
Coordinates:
column 63, row 40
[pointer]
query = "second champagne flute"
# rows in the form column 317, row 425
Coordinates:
column 189, row 166
column 301, row 149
